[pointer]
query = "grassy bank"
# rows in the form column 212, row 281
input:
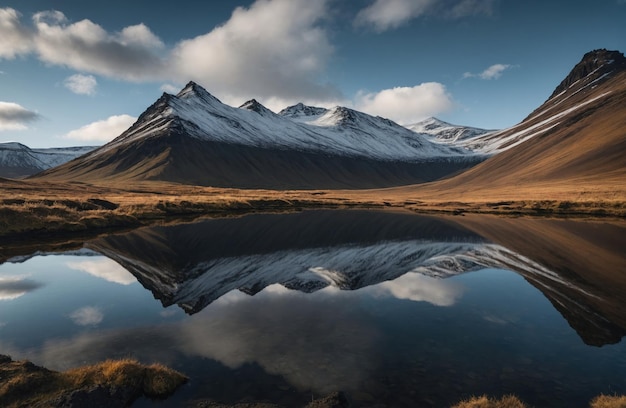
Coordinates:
column 29, row 209
column 110, row 383
column 510, row 401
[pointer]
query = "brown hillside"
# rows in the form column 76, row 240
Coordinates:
column 583, row 151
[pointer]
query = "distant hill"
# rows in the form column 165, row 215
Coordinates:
column 193, row 138
column 18, row 160
column 444, row 132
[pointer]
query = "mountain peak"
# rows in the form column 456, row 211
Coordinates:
column 192, row 90
column 594, row 66
column 255, row 106
column 301, row 110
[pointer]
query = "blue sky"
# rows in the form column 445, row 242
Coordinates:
column 78, row 73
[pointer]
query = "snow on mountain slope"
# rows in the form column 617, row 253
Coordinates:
column 575, row 93
column 18, row 160
column 302, row 113
column 446, row 133
column 582, row 88
column 338, row 131
column 499, row 141
column 55, row 156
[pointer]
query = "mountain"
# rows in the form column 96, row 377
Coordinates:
column 18, row 160
column 574, row 142
column 194, row 264
column 302, row 113
column 444, row 132
column 193, row 138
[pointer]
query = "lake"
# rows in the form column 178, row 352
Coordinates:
column 392, row 308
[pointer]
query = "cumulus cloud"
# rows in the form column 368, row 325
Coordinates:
column 132, row 54
column 271, row 49
column 15, row 117
column 102, row 130
column 16, row 39
column 406, row 104
column 106, row 269
column 493, row 72
column 384, row 15
column 87, row 316
column 81, row 84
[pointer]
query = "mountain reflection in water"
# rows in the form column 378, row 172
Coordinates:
column 378, row 304
column 194, row 264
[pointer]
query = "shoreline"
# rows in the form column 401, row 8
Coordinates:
column 43, row 211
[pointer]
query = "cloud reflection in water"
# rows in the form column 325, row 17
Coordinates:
column 315, row 341
column 13, row 287
column 106, row 269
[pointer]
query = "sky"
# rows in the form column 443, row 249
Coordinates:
column 79, row 73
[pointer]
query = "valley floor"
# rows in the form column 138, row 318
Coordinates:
column 31, row 209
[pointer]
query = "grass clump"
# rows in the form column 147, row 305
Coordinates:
column 25, row 384
column 508, row 401
column 609, row 401
column 511, row 401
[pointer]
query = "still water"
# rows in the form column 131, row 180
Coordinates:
column 393, row 309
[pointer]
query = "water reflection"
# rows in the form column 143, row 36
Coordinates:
column 87, row 316
column 378, row 304
column 419, row 288
column 13, row 287
column 104, row 268
column 194, row 264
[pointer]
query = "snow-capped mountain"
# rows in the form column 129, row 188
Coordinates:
column 18, row 160
column 444, row 132
column 339, row 131
column 193, row 138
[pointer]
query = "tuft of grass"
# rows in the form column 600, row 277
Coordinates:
column 25, row 384
column 508, row 401
column 155, row 381
column 609, row 401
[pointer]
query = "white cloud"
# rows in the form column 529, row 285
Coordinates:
column 493, row 72
column 102, row 130
column 139, row 35
column 272, row 49
column 81, row 84
column 15, row 117
column 387, row 14
column 106, row 269
column 171, row 89
column 275, row 48
column 132, row 54
column 406, row 104
column 384, row 15
column 87, row 316
column 16, row 39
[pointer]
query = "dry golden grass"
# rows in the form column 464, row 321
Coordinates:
column 25, row 384
column 508, row 401
column 609, row 401
column 511, row 401
column 44, row 208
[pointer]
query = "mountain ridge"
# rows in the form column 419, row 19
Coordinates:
column 177, row 139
